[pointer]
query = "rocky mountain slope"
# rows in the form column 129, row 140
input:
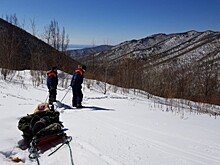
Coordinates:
column 159, row 49
column 169, row 65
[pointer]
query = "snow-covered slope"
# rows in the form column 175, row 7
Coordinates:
column 115, row 128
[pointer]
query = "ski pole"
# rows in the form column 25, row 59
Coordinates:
column 46, row 98
column 65, row 95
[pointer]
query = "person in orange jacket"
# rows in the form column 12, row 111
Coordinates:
column 76, row 84
column 52, row 82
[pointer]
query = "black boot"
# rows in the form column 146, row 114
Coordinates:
column 74, row 104
column 79, row 106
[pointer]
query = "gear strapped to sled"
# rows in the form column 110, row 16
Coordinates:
column 42, row 131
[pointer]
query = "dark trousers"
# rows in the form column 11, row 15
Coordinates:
column 77, row 96
column 52, row 95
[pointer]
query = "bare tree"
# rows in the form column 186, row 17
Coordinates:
column 12, row 19
column 55, row 38
column 33, row 27
column 64, row 40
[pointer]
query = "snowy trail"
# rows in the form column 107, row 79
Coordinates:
column 159, row 145
column 114, row 129
column 192, row 154
column 138, row 134
column 128, row 130
column 86, row 147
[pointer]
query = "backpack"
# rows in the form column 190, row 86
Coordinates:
column 25, row 123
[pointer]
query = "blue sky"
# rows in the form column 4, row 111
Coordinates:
column 115, row 21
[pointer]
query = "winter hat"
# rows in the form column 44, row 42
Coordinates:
column 54, row 67
column 42, row 107
column 83, row 67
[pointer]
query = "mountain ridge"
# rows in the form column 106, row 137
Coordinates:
column 178, row 65
column 191, row 58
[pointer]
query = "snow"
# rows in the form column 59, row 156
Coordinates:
column 114, row 129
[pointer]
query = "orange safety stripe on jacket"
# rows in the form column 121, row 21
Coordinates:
column 52, row 74
column 79, row 70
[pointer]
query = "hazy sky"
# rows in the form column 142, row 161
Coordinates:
column 114, row 21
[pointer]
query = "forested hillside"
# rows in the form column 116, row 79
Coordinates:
column 20, row 50
column 182, row 65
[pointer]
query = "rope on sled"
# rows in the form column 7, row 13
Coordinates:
column 35, row 155
column 71, row 154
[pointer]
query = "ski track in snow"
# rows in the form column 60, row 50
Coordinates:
column 192, row 156
column 89, row 148
column 170, row 149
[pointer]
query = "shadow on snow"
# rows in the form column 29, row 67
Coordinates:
column 92, row 108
